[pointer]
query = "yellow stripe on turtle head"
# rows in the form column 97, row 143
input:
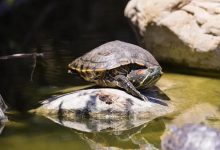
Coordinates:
column 87, row 70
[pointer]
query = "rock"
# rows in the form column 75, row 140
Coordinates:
column 105, row 103
column 192, row 137
column 195, row 128
column 184, row 32
column 3, row 107
column 2, row 116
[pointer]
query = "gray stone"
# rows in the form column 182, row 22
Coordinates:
column 185, row 32
column 3, row 107
column 192, row 137
column 102, row 109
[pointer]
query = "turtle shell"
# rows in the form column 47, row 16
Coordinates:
column 112, row 55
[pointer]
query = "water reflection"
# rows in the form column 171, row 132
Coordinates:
column 113, row 134
column 92, row 125
column 1, row 128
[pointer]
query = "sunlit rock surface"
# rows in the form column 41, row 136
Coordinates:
column 185, row 32
column 104, row 103
column 192, row 137
column 105, row 110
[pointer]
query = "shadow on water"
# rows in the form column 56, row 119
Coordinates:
column 156, row 95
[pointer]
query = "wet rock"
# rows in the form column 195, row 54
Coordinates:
column 185, row 32
column 2, row 115
column 3, row 108
column 105, row 103
column 192, row 137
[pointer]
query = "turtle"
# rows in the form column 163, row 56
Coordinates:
column 119, row 64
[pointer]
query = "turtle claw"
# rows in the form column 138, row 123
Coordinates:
column 124, row 83
column 144, row 98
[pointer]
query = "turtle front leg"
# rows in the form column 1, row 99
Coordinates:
column 124, row 83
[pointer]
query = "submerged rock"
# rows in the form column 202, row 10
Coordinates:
column 185, row 32
column 192, row 137
column 202, row 113
column 105, row 103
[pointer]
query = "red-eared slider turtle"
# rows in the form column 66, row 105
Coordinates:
column 119, row 64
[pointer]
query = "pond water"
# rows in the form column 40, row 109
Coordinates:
column 196, row 99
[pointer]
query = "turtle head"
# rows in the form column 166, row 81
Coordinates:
column 72, row 70
column 144, row 78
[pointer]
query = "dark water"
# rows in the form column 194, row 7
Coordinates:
column 62, row 31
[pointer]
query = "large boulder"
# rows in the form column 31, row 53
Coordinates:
column 183, row 32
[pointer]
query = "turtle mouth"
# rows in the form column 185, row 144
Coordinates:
column 71, row 70
column 154, row 75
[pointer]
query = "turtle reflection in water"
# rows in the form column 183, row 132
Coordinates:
column 119, row 64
